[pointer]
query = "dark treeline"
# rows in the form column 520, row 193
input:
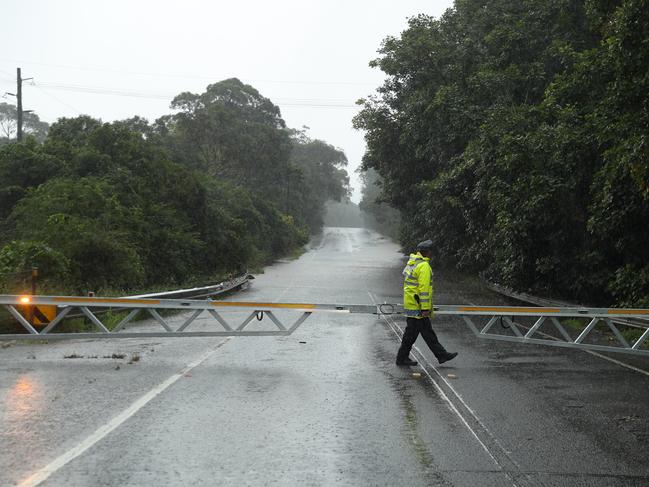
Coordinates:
column 217, row 186
column 514, row 133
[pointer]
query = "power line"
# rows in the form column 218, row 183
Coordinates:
column 96, row 90
column 45, row 92
column 204, row 77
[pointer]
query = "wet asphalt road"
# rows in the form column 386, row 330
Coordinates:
column 326, row 405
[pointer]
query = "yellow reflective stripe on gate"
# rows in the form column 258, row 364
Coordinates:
column 244, row 304
column 105, row 300
column 509, row 310
column 628, row 311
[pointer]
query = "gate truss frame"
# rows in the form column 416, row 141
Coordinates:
column 611, row 317
column 259, row 310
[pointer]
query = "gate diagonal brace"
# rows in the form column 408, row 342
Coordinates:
column 517, row 324
column 92, row 308
column 534, row 334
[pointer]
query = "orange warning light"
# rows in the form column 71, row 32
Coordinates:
column 25, row 299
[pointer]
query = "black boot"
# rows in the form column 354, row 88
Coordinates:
column 447, row 357
column 406, row 362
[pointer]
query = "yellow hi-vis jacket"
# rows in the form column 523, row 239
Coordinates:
column 418, row 281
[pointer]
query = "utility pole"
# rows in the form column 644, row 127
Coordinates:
column 19, row 103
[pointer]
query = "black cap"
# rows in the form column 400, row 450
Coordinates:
column 425, row 245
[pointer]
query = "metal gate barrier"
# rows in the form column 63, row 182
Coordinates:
column 513, row 324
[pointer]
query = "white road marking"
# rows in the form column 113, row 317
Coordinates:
column 467, row 407
column 623, row 364
column 604, row 357
column 283, row 293
column 114, row 423
column 451, row 406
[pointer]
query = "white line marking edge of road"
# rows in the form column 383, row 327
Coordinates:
column 463, row 402
column 447, row 399
column 101, row 432
column 596, row 354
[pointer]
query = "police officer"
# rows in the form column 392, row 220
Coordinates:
column 418, row 304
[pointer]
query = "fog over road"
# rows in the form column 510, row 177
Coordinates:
column 326, row 405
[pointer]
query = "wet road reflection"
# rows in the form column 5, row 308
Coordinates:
column 23, row 398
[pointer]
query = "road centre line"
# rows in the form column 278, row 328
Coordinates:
column 99, row 434
column 455, row 392
column 283, row 293
column 452, row 406
column 422, row 358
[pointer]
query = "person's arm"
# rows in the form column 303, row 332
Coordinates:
column 424, row 289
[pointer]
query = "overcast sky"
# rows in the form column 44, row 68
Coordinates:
column 120, row 58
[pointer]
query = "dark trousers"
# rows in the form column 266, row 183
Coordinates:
column 413, row 328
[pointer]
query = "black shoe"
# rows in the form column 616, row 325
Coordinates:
column 406, row 362
column 447, row 357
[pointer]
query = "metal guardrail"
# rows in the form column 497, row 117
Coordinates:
column 529, row 298
column 238, row 282
column 482, row 320
column 202, row 292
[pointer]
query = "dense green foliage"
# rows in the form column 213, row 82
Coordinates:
column 514, row 134
column 316, row 176
column 232, row 132
column 129, row 204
